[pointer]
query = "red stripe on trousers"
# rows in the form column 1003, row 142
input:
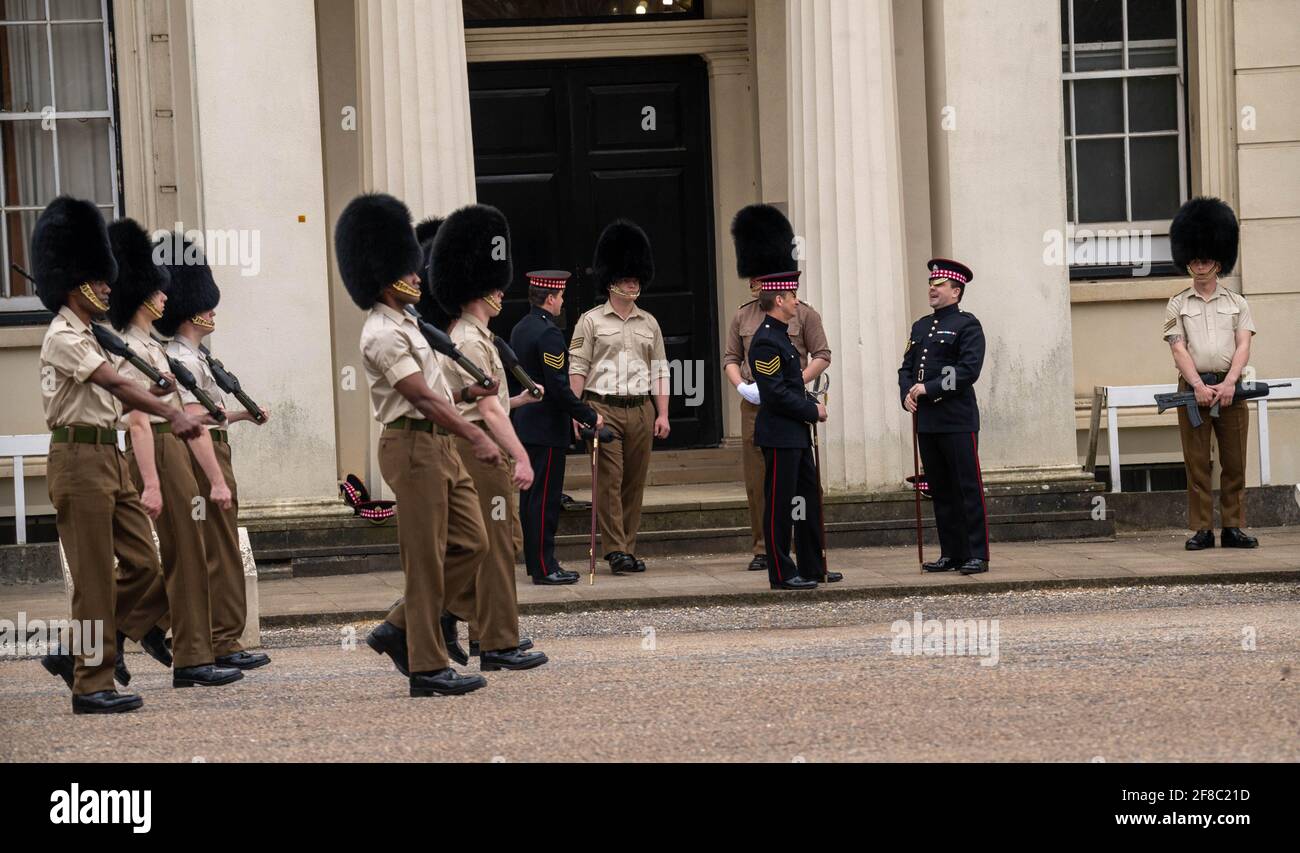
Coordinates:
column 979, row 477
column 541, row 534
column 772, row 523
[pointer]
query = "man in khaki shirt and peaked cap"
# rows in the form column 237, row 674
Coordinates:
column 468, row 278
column 439, row 529
column 189, row 316
column 1209, row 328
column 760, row 231
column 161, row 467
column 98, row 510
column 618, row 364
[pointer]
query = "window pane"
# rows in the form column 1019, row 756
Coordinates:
column 79, row 68
column 1101, row 180
column 22, row 10
column 1151, row 19
column 1096, row 59
column 1097, row 20
column 1155, row 176
column 24, row 69
column 1150, row 56
column 28, row 163
column 18, row 227
column 1152, row 103
column 525, row 10
column 75, row 9
column 1099, row 106
column 1069, row 182
column 1065, row 99
column 85, row 168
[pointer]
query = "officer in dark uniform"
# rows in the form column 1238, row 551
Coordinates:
column 785, row 411
column 936, row 382
column 545, row 428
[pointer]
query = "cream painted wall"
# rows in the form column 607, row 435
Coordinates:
column 261, row 170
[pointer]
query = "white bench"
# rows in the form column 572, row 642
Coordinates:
column 1116, row 397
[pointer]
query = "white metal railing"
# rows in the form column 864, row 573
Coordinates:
column 1116, row 397
column 18, row 448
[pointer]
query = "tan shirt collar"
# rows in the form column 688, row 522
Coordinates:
column 73, row 320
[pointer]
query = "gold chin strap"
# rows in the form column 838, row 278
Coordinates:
column 623, row 293
column 153, row 309
column 202, row 322
column 406, row 289
column 494, row 304
column 89, row 293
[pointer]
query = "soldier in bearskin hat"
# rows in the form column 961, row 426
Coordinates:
column 99, row 516
column 618, row 364
column 160, row 463
column 764, row 242
column 189, row 316
column 379, row 260
column 936, row 383
column 1209, row 329
column 469, row 273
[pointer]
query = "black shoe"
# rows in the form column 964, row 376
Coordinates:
column 556, row 579
column 61, row 664
column 445, row 682
column 388, row 639
column 121, row 674
column 638, row 565
column 510, row 659
column 974, row 566
column 620, row 562
column 795, row 582
column 244, row 660
column 204, row 675
column 832, row 577
column 758, row 564
column 561, row 570
column 451, row 638
column 155, row 645
column 105, row 702
column 943, row 564
column 1233, row 537
column 525, row 643
column 1200, row 541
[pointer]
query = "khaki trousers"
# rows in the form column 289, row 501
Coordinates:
column 99, row 516
column 752, row 459
column 489, row 602
column 1231, row 429
column 225, row 561
column 622, row 473
column 184, row 558
column 440, row 536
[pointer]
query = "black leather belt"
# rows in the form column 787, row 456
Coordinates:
column 80, row 434
column 615, row 400
column 417, row 425
column 220, row 436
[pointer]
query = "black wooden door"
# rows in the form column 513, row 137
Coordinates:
column 563, row 148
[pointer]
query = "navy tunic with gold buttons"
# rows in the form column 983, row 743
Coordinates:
column 785, row 411
column 945, row 352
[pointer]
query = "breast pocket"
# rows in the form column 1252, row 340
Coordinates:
column 1225, row 318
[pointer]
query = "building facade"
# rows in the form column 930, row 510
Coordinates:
column 1045, row 143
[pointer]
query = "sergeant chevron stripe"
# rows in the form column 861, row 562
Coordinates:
column 769, row 367
column 554, row 361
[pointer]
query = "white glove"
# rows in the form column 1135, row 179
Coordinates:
column 749, row 390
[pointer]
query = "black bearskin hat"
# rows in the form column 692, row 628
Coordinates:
column 428, row 306
column 623, row 251
column 193, row 289
column 138, row 276
column 1205, row 229
column 469, row 261
column 69, row 248
column 764, row 241
column 375, row 246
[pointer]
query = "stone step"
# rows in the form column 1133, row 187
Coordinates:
column 669, row 468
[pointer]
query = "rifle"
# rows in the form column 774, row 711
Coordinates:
column 439, row 340
column 511, row 361
column 186, row 378
column 229, row 383
column 1187, row 399
column 115, row 345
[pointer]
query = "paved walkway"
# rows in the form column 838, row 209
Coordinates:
column 721, row 578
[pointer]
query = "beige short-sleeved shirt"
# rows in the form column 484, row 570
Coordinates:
column 69, row 354
column 474, row 340
column 193, row 360
column 619, row 357
column 806, row 333
column 393, row 348
column 1209, row 326
column 152, row 352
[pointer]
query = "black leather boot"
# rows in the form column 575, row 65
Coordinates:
column 445, row 682
column 1201, row 540
column 388, row 639
column 510, row 659
column 204, row 675
column 244, row 660
column 449, row 636
column 105, row 702
column 795, row 582
column 1233, row 537
column 943, row 564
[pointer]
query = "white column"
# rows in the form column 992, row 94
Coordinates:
column 998, row 172
column 846, row 205
column 259, row 166
column 416, row 139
